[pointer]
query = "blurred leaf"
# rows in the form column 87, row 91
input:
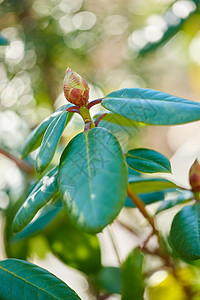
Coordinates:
column 50, row 140
column 109, row 280
column 151, row 106
column 180, row 199
column 3, row 41
column 41, row 194
column 74, row 247
column 173, row 19
column 147, row 185
column 147, row 161
column 35, row 138
column 132, row 276
column 23, row 280
column 185, row 232
column 91, row 172
column 169, row 288
column 147, row 198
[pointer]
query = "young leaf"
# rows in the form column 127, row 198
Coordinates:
column 185, row 232
column 51, row 140
column 132, row 276
column 35, row 138
column 152, row 107
column 23, row 280
column 147, row 185
column 147, row 161
column 42, row 193
column 93, row 179
column 180, row 199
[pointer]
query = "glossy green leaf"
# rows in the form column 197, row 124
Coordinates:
column 185, row 232
column 41, row 194
column 74, row 247
column 35, row 138
column 23, row 280
column 143, row 185
column 109, row 279
column 151, row 106
column 147, row 161
column 50, row 141
column 44, row 220
column 180, row 199
column 93, row 174
column 147, row 198
column 132, row 276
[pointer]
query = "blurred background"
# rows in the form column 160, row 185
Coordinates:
column 113, row 44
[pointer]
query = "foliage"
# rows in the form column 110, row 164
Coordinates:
column 85, row 174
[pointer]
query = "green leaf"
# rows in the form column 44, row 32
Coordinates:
column 147, row 161
column 41, row 194
column 183, row 197
column 185, row 232
column 35, row 138
column 152, row 107
column 116, row 119
column 132, row 276
column 143, row 185
column 93, row 174
column 23, row 280
column 109, row 280
column 73, row 247
column 50, row 141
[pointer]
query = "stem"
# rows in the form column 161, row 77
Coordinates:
column 99, row 118
column 21, row 164
column 73, row 109
column 94, row 102
column 140, row 205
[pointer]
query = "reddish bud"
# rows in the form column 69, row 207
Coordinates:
column 76, row 89
column 194, row 176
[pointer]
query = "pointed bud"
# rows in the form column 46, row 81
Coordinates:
column 76, row 89
column 194, row 176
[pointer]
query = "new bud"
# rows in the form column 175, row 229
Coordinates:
column 194, row 176
column 76, row 89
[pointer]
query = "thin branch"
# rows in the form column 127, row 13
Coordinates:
column 99, row 118
column 140, row 205
column 21, row 164
column 94, row 102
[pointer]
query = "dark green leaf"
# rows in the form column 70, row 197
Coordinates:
column 50, row 140
column 41, row 194
column 132, row 276
column 109, row 280
column 147, row 198
column 143, row 185
column 180, row 199
column 35, row 138
column 75, row 248
column 185, row 232
column 151, row 106
column 23, row 280
column 147, row 161
column 93, row 174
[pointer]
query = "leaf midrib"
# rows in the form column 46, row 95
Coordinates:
column 21, row 278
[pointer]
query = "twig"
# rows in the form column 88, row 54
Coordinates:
column 21, row 164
